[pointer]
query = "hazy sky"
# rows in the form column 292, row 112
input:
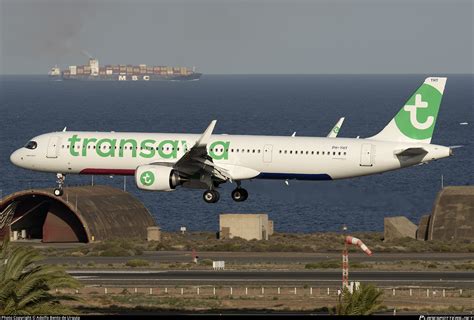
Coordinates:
column 224, row 36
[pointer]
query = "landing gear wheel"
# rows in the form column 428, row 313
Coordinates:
column 58, row 191
column 240, row 195
column 211, row 196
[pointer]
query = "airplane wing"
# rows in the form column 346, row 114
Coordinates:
column 197, row 160
column 411, row 152
column 335, row 130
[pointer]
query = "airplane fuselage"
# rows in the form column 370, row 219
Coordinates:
column 246, row 156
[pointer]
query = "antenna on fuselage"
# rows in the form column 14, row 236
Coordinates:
column 294, row 134
column 65, row 128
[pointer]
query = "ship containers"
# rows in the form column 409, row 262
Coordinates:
column 116, row 68
column 123, row 68
column 80, row 70
column 73, row 70
column 136, row 69
column 129, row 68
column 102, row 71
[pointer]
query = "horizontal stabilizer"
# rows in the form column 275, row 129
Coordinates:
column 412, row 152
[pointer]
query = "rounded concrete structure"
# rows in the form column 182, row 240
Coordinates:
column 453, row 215
column 81, row 214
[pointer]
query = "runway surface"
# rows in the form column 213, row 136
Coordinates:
column 330, row 278
column 261, row 257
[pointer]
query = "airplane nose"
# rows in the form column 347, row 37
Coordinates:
column 16, row 158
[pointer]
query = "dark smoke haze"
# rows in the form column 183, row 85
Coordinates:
column 231, row 36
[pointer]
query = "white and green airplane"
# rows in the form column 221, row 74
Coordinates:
column 164, row 161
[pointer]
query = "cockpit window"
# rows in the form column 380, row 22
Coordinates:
column 31, row 145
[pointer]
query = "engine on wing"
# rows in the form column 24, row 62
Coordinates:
column 156, row 178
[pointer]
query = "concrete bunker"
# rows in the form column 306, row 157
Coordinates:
column 82, row 214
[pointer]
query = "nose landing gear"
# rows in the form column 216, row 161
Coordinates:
column 58, row 191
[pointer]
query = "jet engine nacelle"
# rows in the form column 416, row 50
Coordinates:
column 156, row 178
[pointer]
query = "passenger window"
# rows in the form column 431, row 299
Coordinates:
column 323, row 153
column 285, row 151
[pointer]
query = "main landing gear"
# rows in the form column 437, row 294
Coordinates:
column 58, row 191
column 212, row 196
column 239, row 194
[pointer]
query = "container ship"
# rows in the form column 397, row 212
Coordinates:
column 124, row 72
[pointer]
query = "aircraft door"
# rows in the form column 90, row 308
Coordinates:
column 367, row 155
column 267, row 153
column 53, row 147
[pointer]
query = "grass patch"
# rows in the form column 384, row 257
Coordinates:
column 134, row 263
column 206, row 262
column 323, row 265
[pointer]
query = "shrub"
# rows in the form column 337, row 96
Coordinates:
column 137, row 263
column 206, row 262
column 115, row 252
column 323, row 265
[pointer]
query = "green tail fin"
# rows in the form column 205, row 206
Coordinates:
column 415, row 122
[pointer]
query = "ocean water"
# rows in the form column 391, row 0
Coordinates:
column 253, row 104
